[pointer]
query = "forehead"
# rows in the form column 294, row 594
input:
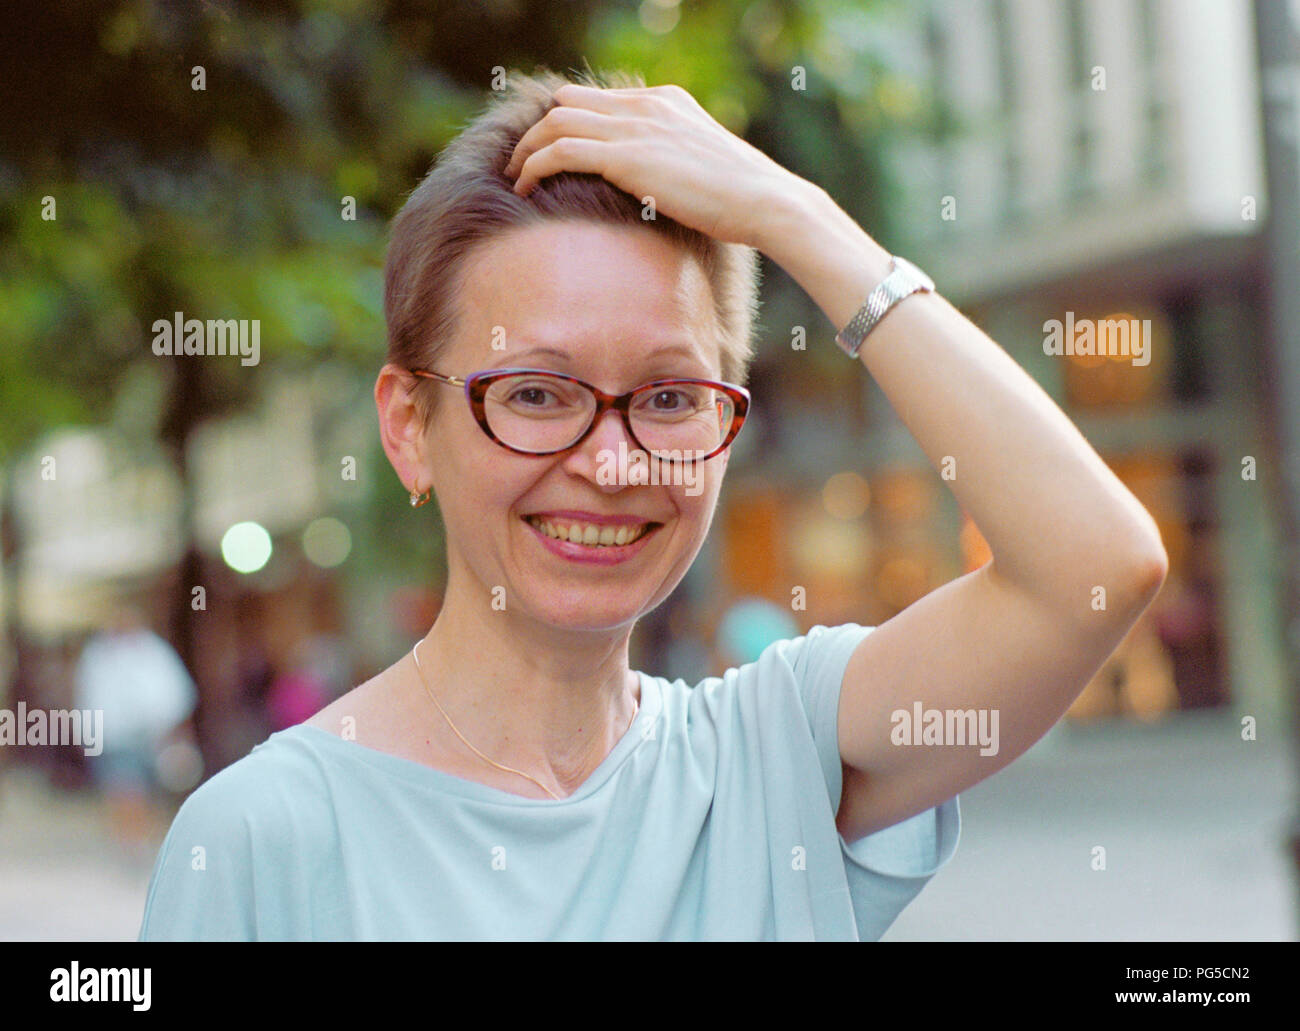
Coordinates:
column 590, row 290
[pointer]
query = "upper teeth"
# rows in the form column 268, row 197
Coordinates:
column 589, row 533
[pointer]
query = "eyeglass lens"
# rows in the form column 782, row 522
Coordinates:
column 534, row 412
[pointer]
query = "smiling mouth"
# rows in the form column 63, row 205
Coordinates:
column 590, row 535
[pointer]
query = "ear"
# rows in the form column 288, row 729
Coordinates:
column 400, row 428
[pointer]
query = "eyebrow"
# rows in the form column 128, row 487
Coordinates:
column 668, row 349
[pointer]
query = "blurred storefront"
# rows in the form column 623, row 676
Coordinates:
column 860, row 540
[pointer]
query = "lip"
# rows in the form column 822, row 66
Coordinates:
column 607, row 556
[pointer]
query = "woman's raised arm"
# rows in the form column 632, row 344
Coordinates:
column 1076, row 558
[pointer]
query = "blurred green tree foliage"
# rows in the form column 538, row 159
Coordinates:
column 198, row 157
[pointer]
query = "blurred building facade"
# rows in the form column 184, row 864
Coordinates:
column 1090, row 159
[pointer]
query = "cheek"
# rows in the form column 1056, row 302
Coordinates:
column 493, row 492
column 478, row 478
column 697, row 503
column 483, row 514
column 473, row 490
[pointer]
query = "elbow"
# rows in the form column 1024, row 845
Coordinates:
column 1151, row 575
column 1145, row 574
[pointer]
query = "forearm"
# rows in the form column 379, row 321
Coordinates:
column 1056, row 518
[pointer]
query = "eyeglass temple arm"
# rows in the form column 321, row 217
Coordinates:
column 453, row 380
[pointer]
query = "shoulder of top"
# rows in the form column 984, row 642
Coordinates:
column 795, row 652
column 830, row 636
column 276, row 775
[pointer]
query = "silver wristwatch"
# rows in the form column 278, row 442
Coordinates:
column 904, row 279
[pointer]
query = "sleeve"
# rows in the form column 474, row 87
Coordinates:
column 886, row 870
column 233, row 866
column 201, row 887
column 818, row 660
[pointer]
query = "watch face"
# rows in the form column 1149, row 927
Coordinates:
column 924, row 281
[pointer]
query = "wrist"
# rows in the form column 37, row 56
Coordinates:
column 904, row 280
column 824, row 251
column 794, row 210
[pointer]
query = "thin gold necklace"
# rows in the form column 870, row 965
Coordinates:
column 415, row 654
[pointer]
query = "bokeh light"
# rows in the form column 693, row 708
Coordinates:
column 326, row 542
column 246, row 547
column 846, row 496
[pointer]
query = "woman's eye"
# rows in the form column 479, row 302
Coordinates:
column 668, row 400
column 531, row 397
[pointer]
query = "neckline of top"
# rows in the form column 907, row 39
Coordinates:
column 426, row 776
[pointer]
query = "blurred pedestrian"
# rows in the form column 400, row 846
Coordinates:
column 139, row 683
column 297, row 693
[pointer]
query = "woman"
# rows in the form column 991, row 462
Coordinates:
column 512, row 777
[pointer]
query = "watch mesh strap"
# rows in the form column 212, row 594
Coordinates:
column 886, row 294
column 876, row 305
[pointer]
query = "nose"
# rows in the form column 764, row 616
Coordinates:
column 601, row 448
column 610, row 430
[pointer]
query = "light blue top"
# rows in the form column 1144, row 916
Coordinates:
column 712, row 818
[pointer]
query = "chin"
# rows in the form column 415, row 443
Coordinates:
column 586, row 614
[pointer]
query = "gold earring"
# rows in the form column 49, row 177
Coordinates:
column 417, row 500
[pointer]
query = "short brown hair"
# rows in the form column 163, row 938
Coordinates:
column 466, row 200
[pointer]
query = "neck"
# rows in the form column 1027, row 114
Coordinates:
column 547, row 702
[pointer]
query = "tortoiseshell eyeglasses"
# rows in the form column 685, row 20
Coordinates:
column 538, row 412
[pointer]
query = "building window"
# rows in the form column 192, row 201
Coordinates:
column 1080, row 182
column 1008, row 103
column 1155, row 138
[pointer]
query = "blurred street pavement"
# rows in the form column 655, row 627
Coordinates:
column 63, row 876
column 1193, row 821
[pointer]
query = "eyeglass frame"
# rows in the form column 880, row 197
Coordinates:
column 476, row 387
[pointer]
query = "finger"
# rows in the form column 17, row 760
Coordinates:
column 606, row 101
column 556, row 123
column 567, row 154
